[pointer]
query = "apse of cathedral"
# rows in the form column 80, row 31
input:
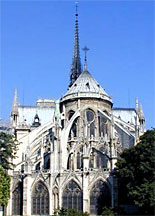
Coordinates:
column 68, row 147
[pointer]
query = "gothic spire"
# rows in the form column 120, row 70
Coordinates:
column 76, row 61
column 15, row 104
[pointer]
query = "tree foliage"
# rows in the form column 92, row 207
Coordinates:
column 8, row 148
column 108, row 212
column 69, row 212
column 4, row 187
column 135, row 172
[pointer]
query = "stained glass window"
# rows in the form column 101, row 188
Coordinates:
column 90, row 115
column 17, row 199
column 70, row 114
column 73, row 131
column 79, row 160
column 103, row 127
column 99, row 198
column 90, row 118
column 47, row 160
column 73, row 196
column 98, row 159
column 40, row 200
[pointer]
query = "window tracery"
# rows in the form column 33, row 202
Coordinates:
column 74, row 129
column 90, row 122
column 79, row 157
column 55, row 198
column 99, row 198
column 40, row 200
column 98, row 159
column 17, row 199
column 73, row 196
column 103, row 126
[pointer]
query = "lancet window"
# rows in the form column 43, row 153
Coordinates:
column 73, row 196
column 74, row 129
column 99, row 198
column 70, row 114
column 40, row 200
column 90, row 122
column 55, row 198
column 70, row 163
column 98, row 159
column 79, row 158
column 103, row 125
column 46, row 160
column 17, row 199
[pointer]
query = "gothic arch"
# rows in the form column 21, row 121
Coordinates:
column 40, row 199
column 72, row 196
column 70, row 162
column 55, row 197
column 100, row 196
column 74, row 128
column 71, row 177
column 70, row 114
column 39, row 178
column 89, row 108
column 17, row 199
column 98, row 159
column 90, row 121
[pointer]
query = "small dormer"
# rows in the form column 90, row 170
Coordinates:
column 36, row 122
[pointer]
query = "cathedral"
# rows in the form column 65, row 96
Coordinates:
column 68, row 147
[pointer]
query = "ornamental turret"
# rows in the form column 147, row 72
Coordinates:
column 14, row 111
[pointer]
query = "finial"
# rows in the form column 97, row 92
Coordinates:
column 85, row 49
column 15, row 104
column 141, row 112
column 76, row 9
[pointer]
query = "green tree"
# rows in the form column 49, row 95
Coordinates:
column 4, row 187
column 135, row 172
column 8, row 148
column 69, row 212
column 108, row 212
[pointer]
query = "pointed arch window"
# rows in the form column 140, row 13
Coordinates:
column 55, row 198
column 40, row 199
column 79, row 158
column 73, row 196
column 46, row 160
column 103, row 125
column 99, row 198
column 17, row 199
column 90, row 121
column 70, row 114
column 98, row 159
column 74, row 129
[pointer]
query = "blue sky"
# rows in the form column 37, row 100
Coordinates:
column 37, row 40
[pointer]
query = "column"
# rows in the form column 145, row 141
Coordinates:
column 85, row 184
column 27, row 195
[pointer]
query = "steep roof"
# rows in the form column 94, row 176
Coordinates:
column 86, row 86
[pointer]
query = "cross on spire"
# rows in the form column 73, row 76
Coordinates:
column 85, row 49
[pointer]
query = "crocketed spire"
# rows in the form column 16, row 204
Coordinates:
column 76, row 61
